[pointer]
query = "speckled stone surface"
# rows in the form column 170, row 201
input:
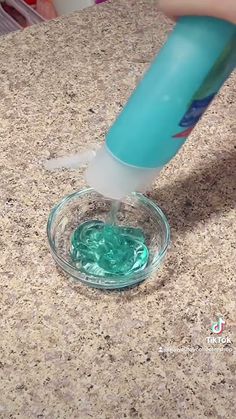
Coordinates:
column 68, row 352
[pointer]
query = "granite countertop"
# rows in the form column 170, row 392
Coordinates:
column 76, row 353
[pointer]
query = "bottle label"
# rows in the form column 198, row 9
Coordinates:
column 193, row 114
column 207, row 91
column 195, row 111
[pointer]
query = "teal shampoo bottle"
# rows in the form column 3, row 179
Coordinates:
column 182, row 81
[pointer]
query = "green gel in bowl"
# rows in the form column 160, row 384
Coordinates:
column 103, row 250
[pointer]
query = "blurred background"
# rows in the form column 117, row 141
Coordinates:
column 19, row 14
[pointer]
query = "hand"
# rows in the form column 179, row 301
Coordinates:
column 223, row 9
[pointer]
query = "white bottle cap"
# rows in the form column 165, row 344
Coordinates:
column 114, row 179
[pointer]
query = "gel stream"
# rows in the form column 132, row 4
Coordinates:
column 105, row 249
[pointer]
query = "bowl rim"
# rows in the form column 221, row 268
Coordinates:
column 109, row 281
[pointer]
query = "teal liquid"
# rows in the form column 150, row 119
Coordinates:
column 106, row 249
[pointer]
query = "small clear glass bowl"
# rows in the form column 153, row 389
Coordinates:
column 135, row 211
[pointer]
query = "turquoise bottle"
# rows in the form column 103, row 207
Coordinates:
column 180, row 84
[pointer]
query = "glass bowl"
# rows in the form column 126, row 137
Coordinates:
column 135, row 211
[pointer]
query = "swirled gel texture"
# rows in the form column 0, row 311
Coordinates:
column 108, row 250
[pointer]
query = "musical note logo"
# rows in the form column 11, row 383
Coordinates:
column 218, row 327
